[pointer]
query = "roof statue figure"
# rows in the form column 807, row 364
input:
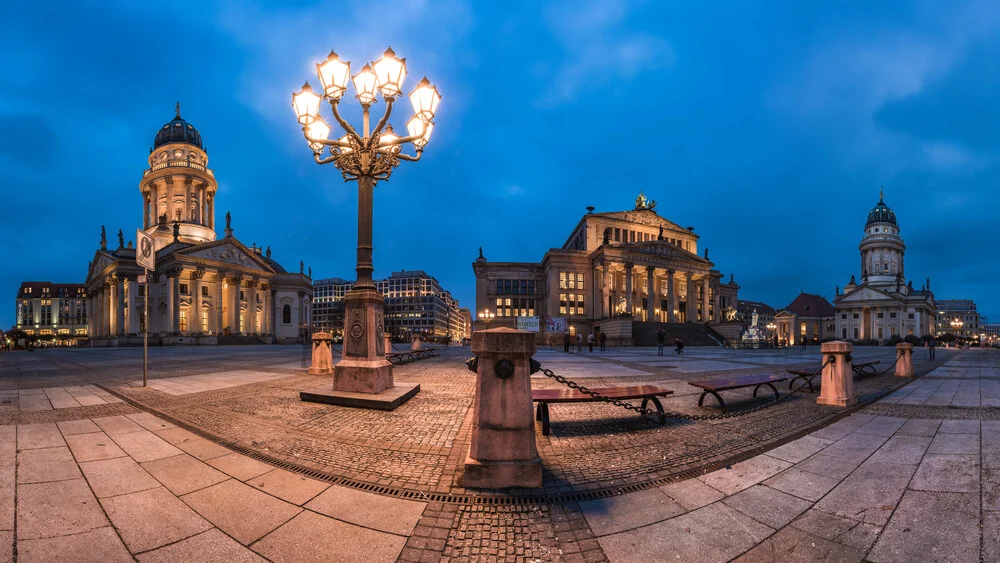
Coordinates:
column 302, row 266
column 121, row 239
column 104, row 238
column 480, row 252
column 660, row 236
column 229, row 219
column 706, row 253
column 177, row 230
column 310, row 272
column 268, row 253
column 642, row 202
column 177, row 111
column 607, row 235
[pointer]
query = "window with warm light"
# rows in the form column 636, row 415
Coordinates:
column 183, row 321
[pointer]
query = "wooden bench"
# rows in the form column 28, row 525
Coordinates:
column 868, row 368
column 645, row 392
column 806, row 376
column 713, row 386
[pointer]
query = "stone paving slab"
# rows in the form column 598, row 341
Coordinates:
column 313, row 537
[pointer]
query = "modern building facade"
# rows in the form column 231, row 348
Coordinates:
column 415, row 304
column 959, row 317
column 614, row 269
column 204, row 290
column 885, row 302
column 52, row 311
column 808, row 318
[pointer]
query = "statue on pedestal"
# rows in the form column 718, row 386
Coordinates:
column 104, row 238
column 121, row 239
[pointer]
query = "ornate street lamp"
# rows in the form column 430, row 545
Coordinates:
column 367, row 155
column 771, row 329
column 487, row 317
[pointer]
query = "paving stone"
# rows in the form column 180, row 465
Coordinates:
column 313, row 537
column 145, row 446
column 882, row 426
column 46, row 464
column 239, row 466
column 991, row 535
column 118, row 476
column 767, row 505
column 828, row 466
column 809, row 486
column 855, row 447
column 903, row 449
column 58, row 508
column 115, row 425
column 7, row 490
column 625, row 512
column 154, row 518
column 959, row 427
column 8, row 453
column 177, row 435
column 92, row 447
column 792, row 545
column 711, row 533
column 835, row 431
column 691, row 493
column 368, row 509
column 6, row 547
column 861, row 537
column 72, row 427
column 150, row 422
column 183, row 474
column 212, row 545
column 823, row 524
column 292, row 487
column 919, row 427
column 744, row 474
column 870, row 493
column 101, row 544
column 947, row 473
column 42, row 435
column 967, row 444
column 800, row 449
column 241, row 511
column 202, row 449
column 931, row 527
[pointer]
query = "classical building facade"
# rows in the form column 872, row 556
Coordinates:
column 615, row 269
column 884, row 303
column 204, row 290
column 957, row 316
column 52, row 311
column 808, row 318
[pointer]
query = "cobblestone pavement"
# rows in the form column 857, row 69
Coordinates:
column 595, row 451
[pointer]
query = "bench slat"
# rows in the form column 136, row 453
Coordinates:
column 735, row 382
column 574, row 396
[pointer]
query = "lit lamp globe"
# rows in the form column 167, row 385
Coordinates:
column 364, row 84
column 334, row 74
column 317, row 131
column 389, row 74
column 420, row 129
column 306, row 104
column 387, row 140
column 425, row 99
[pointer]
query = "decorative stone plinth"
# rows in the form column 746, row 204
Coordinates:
column 416, row 344
column 385, row 401
column 322, row 354
column 838, row 376
column 904, row 365
column 502, row 450
column 363, row 367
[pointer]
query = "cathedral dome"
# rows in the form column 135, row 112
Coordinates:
column 881, row 213
column 178, row 131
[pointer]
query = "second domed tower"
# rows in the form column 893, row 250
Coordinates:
column 882, row 248
column 178, row 187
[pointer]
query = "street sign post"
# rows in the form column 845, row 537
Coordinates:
column 145, row 256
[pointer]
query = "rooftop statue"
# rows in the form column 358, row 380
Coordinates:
column 641, row 202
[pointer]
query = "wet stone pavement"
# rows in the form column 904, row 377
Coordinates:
column 794, row 481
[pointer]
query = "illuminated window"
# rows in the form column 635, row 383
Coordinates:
column 562, row 280
column 204, row 321
column 184, row 321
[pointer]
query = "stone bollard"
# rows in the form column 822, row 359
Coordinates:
column 838, row 377
column 322, row 354
column 415, row 345
column 388, row 344
column 502, row 452
column 904, row 365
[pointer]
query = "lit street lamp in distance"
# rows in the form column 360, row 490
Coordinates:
column 486, row 316
column 367, row 155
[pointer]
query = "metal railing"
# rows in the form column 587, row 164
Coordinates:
column 179, row 163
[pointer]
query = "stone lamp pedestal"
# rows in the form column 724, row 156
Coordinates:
column 838, row 376
column 502, row 450
column 904, row 365
column 363, row 377
column 322, row 354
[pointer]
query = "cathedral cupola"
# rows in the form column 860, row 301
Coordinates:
column 177, row 131
column 881, row 212
column 882, row 248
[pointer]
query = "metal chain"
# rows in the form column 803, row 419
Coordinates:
column 670, row 414
column 899, row 354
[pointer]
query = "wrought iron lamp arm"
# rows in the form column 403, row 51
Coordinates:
column 401, row 156
column 343, row 123
column 325, row 142
column 326, row 160
column 385, row 116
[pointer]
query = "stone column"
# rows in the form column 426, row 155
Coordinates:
column 120, row 306
column 691, row 299
column 716, row 307
column 650, row 294
column 322, row 354
column 605, row 291
column 196, row 327
column 211, row 211
column 268, row 313
column 133, row 306
column 671, row 297
column 904, row 365
column 502, row 450
column 704, row 299
column 629, row 298
column 171, row 320
column 105, row 310
column 219, row 304
column 252, row 307
column 838, row 378
column 234, row 319
column 655, row 297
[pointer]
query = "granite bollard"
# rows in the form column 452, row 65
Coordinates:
column 415, row 344
column 904, row 365
column 502, row 450
column 838, row 376
column 322, row 354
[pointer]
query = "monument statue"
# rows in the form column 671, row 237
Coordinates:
column 229, row 219
column 302, row 266
column 660, row 236
column 121, row 239
column 104, row 238
column 706, row 253
column 642, row 202
column 310, row 272
column 177, row 230
column 268, row 253
column 754, row 317
column 481, row 253
column 753, row 335
column 607, row 235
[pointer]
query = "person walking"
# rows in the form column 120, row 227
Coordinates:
column 661, row 337
column 590, row 341
column 680, row 346
column 579, row 342
column 603, row 338
column 566, row 341
column 931, row 345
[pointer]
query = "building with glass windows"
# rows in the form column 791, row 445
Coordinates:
column 52, row 311
column 415, row 304
column 624, row 273
column 959, row 317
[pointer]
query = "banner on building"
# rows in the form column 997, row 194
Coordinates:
column 555, row 324
column 527, row 323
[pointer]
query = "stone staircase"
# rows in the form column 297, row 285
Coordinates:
column 644, row 334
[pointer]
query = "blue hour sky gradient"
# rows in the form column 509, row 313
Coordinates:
column 768, row 126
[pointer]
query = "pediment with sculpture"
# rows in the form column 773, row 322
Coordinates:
column 228, row 253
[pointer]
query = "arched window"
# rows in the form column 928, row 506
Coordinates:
column 286, row 315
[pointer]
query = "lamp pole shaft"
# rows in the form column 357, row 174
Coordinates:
column 145, row 331
column 365, row 267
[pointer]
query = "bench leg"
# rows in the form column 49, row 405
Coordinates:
column 538, row 412
column 545, row 418
column 773, row 388
column 659, row 409
column 722, row 404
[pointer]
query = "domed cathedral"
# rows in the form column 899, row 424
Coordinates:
column 205, row 289
column 884, row 303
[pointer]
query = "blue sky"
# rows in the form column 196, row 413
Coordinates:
column 768, row 126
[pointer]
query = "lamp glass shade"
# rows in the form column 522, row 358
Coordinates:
column 364, row 83
column 386, row 140
column 390, row 72
column 334, row 75
column 425, row 100
column 306, row 105
column 417, row 127
column 346, row 139
column 319, row 131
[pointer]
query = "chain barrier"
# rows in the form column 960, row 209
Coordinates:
column 670, row 414
column 899, row 354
